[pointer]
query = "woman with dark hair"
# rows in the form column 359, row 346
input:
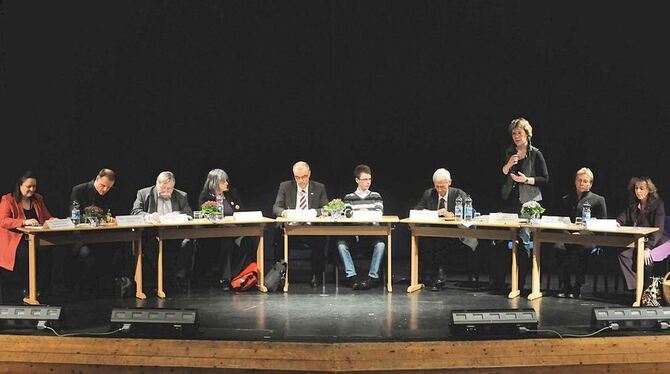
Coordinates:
column 230, row 254
column 24, row 207
column 645, row 209
column 525, row 173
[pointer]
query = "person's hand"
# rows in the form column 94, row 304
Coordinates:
column 647, row 257
column 512, row 161
column 444, row 213
column 31, row 222
column 153, row 217
column 52, row 218
column 519, row 177
column 284, row 213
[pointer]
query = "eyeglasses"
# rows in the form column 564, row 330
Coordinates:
column 364, row 179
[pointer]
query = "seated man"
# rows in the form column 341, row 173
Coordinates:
column 434, row 252
column 571, row 206
column 303, row 194
column 163, row 198
column 363, row 199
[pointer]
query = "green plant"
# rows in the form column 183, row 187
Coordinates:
column 209, row 208
column 334, row 205
column 93, row 211
column 531, row 209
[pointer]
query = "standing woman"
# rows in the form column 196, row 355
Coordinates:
column 23, row 207
column 645, row 209
column 231, row 254
column 525, row 173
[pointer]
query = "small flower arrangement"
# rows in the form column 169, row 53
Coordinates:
column 97, row 213
column 209, row 208
column 335, row 205
column 532, row 210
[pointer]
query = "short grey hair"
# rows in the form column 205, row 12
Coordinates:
column 214, row 177
column 441, row 174
column 300, row 164
column 164, row 177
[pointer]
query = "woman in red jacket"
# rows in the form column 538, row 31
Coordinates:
column 23, row 207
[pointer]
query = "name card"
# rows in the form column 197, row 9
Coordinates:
column 601, row 224
column 130, row 220
column 248, row 216
column 301, row 215
column 367, row 215
column 506, row 217
column 174, row 218
column 427, row 215
column 556, row 220
column 61, row 223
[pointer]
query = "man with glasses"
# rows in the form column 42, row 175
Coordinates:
column 301, row 193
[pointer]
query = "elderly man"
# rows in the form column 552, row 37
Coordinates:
column 442, row 197
column 161, row 199
column 303, row 194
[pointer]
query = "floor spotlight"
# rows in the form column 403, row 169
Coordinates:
column 649, row 318
column 43, row 315
column 492, row 322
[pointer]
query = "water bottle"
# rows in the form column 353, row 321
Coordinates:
column 458, row 209
column 468, row 211
column 586, row 212
column 75, row 214
column 219, row 204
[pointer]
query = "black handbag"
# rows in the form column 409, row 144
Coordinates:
column 275, row 277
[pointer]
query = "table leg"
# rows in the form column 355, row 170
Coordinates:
column 260, row 261
column 286, row 260
column 514, row 292
column 639, row 271
column 139, row 293
column 389, row 272
column 32, row 272
column 160, row 292
column 536, row 277
column 414, row 266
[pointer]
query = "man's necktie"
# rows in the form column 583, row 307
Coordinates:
column 302, row 204
column 441, row 204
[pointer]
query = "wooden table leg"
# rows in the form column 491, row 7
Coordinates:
column 639, row 271
column 536, row 275
column 389, row 272
column 260, row 261
column 515, row 292
column 286, row 259
column 414, row 284
column 160, row 292
column 139, row 293
column 32, row 272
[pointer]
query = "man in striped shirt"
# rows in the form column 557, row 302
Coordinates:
column 363, row 199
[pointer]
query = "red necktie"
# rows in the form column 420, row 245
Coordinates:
column 303, row 200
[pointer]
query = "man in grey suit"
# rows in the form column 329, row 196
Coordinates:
column 163, row 198
column 302, row 194
column 435, row 251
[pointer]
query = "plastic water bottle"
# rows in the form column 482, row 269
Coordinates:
column 75, row 214
column 468, row 211
column 219, row 204
column 586, row 212
column 458, row 209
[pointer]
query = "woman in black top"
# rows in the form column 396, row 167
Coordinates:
column 646, row 209
column 525, row 173
column 228, row 255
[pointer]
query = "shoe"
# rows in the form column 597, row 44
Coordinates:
column 374, row 282
column 435, row 288
column 224, row 285
column 575, row 291
column 361, row 286
column 441, row 278
column 316, row 281
column 564, row 292
column 473, row 278
column 349, row 281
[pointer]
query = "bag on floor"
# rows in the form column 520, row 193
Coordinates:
column 652, row 295
column 247, row 278
column 275, row 277
column 666, row 288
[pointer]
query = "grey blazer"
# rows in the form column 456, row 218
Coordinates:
column 145, row 203
column 286, row 197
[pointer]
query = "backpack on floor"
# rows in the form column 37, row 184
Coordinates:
column 247, row 278
column 275, row 277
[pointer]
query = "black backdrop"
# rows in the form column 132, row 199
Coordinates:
column 406, row 87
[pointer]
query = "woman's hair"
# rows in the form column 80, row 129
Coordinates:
column 653, row 192
column 585, row 171
column 22, row 178
column 214, row 177
column 523, row 124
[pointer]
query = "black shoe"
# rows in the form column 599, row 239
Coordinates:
column 575, row 292
column 374, row 282
column 316, row 281
column 361, row 286
column 224, row 285
column 349, row 281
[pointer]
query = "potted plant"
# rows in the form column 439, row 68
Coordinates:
column 210, row 210
column 335, row 208
column 94, row 215
column 532, row 211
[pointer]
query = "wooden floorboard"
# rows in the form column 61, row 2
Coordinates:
column 100, row 355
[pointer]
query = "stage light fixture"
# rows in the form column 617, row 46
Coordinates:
column 177, row 318
column 632, row 318
column 492, row 322
column 43, row 315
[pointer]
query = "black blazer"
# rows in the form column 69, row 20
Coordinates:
column 231, row 196
column 572, row 208
column 655, row 215
column 429, row 199
column 86, row 195
column 533, row 167
column 286, row 197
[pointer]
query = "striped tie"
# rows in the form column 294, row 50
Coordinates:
column 303, row 200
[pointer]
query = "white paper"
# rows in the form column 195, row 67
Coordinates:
column 505, row 217
column 172, row 218
column 367, row 215
column 61, row 223
column 248, row 216
column 301, row 215
column 134, row 220
column 424, row 215
column 601, row 224
column 556, row 220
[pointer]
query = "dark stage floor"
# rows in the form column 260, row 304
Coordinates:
column 336, row 315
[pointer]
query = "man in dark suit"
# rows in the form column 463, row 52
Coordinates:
column 302, row 194
column 161, row 199
column 572, row 206
column 434, row 252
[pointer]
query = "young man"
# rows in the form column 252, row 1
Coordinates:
column 363, row 199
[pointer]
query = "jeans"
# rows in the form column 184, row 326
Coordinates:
column 350, row 268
